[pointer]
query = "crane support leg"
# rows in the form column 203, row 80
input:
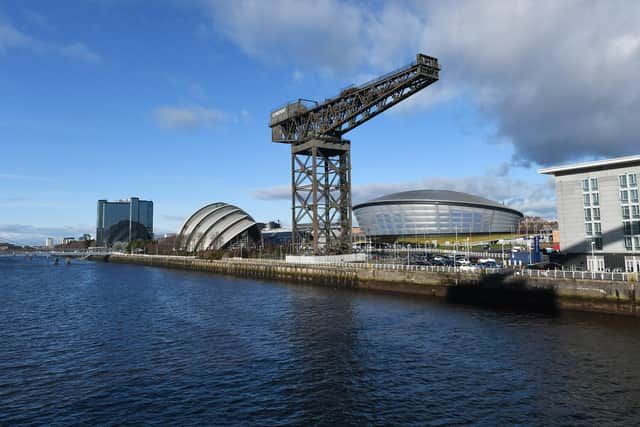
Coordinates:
column 321, row 196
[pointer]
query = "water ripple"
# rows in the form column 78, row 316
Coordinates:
column 117, row 345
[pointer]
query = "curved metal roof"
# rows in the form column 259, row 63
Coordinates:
column 436, row 197
column 212, row 227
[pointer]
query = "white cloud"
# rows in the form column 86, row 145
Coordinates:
column 559, row 79
column 12, row 38
column 34, row 235
column 297, row 76
column 278, row 192
column 79, row 51
column 531, row 199
column 17, row 177
column 188, row 117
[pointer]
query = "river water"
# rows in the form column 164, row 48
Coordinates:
column 96, row 343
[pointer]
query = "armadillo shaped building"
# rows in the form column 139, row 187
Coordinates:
column 214, row 227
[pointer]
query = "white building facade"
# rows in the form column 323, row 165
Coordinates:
column 599, row 212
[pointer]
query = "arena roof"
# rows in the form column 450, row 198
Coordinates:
column 435, row 197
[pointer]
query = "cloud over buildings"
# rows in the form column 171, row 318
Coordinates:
column 530, row 198
column 557, row 78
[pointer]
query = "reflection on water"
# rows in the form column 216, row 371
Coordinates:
column 99, row 343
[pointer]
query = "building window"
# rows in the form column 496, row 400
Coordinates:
column 587, row 214
column 587, row 200
column 622, row 180
column 585, row 184
column 589, row 229
column 598, row 243
column 595, row 198
column 627, row 243
column 627, row 227
column 624, row 196
column 596, row 213
column 634, row 196
column 635, row 228
column 633, row 181
column 635, row 211
column 597, row 228
column 594, row 184
column 625, row 212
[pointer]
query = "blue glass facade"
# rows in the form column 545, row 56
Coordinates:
column 123, row 219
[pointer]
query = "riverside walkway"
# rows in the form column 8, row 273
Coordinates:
column 585, row 291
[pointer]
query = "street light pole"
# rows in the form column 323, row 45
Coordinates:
column 593, row 258
column 455, row 246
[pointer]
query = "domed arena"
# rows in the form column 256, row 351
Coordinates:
column 432, row 213
column 216, row 226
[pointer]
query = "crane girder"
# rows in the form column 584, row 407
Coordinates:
column 321, row 158
column 300, row 121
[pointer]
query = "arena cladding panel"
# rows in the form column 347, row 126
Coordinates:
column 434, row 213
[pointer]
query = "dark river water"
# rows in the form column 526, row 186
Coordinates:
column 105, row 344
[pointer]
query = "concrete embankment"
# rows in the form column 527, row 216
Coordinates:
column 499, row 290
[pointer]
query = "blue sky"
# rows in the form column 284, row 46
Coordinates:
column 170, row 100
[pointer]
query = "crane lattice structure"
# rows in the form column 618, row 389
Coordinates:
column 320, row 157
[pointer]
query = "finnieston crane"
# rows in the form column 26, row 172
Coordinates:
column 320, row 157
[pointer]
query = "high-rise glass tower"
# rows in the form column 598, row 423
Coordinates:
column 123, row 221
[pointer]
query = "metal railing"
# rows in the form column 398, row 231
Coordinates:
column 541, row 274
column 577, row 275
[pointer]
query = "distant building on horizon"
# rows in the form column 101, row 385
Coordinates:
column 48, row 243
column 67, row 240
column 123, row 221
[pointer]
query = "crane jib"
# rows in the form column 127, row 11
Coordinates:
column 320, row 158
column 297, row 121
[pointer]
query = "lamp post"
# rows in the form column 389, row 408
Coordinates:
column 455, row 246
column 468, row 249
column 634, row 266
column 593, row 258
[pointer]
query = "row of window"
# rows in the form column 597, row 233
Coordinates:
column 592, row 214
column 629, row 195
column 631, row 227
column 624, row 181
column 626, row 196
column 590, row 184
column 629, row 212
column 593, row 228
column 631, row 243
column 628, row 180
column 592, row 199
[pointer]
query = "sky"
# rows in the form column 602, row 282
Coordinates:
column 169, row 101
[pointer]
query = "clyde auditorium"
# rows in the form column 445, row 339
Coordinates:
column 216, row 226
column 433, row 213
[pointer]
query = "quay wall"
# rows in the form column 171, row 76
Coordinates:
column 503, row 290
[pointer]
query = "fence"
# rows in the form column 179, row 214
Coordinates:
column 582, row 275
column 542, row 274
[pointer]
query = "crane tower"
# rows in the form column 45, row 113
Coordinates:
column 320, row 157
